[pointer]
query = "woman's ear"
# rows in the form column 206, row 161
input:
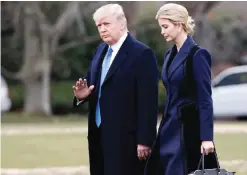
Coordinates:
column 180, row 26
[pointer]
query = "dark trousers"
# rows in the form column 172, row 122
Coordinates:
column 136, row 166
column 96, row 153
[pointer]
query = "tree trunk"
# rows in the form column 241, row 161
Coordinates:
column 35, row 73
column 37, row 93
column 204, row 33
column 46, row 73
column 46, row 101
column 131, row 10
column 33, row 96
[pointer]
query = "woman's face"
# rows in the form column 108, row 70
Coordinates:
column 169, row 30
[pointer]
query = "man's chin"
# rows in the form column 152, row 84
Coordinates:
column 108, row 40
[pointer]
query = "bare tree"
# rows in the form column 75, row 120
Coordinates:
column 40, row 34
column 226, row 40
column 131, row 9
column 40, row 42
column 231, row 41
column 204, row 34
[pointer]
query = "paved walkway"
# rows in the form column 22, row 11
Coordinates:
column 36, row 130
column 234, row 165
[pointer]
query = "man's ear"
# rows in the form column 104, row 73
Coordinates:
column 122, row 26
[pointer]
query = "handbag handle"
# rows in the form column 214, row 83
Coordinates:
column 201, row 162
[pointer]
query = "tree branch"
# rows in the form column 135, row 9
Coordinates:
column 195, row 8
column 65, row 20
column 80, row 23
column 16, row 22
column 75, row 43
column 46, row 27
column 10, row 75
column 90, row 39
column 209, row 5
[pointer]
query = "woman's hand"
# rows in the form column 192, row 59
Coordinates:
column 208, row 147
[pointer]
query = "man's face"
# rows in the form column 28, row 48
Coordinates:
column 110, row 29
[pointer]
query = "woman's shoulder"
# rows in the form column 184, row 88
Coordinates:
column 202, row 55
column 202, row 52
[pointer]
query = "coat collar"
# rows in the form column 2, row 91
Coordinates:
column 120, row 57
column 180, row 56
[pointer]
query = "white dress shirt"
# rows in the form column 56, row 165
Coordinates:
column 115, row 48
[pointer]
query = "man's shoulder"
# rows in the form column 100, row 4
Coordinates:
column 102, row 44
column 141, row 46
column 99, row 47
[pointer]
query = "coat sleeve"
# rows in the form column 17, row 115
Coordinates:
column 202, row 76
column 87, row 77
column 75, row 101
column 147, row 97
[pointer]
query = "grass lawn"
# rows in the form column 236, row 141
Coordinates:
column 48, row 150
column 231, row 146
column 70, row 149
column 19, row 118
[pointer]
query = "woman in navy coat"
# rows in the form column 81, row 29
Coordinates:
column 186, row 128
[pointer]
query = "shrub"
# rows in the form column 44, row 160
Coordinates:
column 62, row 98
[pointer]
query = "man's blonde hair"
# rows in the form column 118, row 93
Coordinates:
column 177, row 14
column 108, row 10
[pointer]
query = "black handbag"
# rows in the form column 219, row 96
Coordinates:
column 215, row 171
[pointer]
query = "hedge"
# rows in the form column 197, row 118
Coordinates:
column 61, row 98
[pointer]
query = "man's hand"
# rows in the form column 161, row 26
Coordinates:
column 208, row 146
column 143, row 152
column 81, row 90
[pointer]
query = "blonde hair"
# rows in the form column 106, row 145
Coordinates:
column 177, row 14
column 111, row 9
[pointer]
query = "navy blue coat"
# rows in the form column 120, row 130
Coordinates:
column 187, row 117
column 128, row 103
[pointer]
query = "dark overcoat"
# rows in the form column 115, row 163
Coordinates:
column 188, row 114
column 128, row 105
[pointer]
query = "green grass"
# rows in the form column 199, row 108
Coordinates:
column 70, row 149
column 44, row 150
column 231, row 146
column 19, row 118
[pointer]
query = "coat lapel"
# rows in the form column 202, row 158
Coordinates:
column 120, row 57
column 97, row 62
column 166, row 59
column 181, row 56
